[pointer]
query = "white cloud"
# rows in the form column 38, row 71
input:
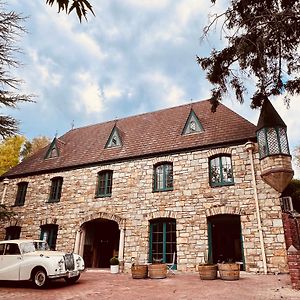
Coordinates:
column 148, row 4
column 88, row 94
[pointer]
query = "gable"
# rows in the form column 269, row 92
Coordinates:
column 53, row 150
column 192, row 124
column 114, row 139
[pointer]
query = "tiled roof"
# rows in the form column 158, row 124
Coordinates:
column 142, row 135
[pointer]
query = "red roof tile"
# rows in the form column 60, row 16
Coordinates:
column 142, row 135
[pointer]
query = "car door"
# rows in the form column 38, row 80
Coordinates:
column 10, row 262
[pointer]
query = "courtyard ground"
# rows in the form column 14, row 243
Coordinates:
column 97, row 284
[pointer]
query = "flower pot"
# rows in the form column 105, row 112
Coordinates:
column 114, row 269
column 139, row 271
column 157, row 271
column 208, row 272
column 229, row 271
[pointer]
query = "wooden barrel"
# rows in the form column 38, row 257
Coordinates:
column 208, row 272
column 139, row 271
column 229, row 271
column 157, row 271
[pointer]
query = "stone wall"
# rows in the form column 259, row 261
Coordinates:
column 135, row 204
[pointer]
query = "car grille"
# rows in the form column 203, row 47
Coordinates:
column 69, row 262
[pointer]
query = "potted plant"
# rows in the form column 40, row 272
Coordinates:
column 229, row 270
column 139, row 271
column 207, row 270
column 114, row 265
column 158, row 269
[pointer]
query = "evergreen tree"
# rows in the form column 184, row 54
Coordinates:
column 10, row 29
column 263, row 39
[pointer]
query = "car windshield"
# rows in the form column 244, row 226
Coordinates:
column 34, row 246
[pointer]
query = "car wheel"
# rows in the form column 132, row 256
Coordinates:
column 71, row 280
column 40, row 279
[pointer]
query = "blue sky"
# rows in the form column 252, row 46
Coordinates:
column 135, row 56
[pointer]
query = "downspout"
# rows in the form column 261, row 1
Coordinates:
column 250, row 147
column 5, row 183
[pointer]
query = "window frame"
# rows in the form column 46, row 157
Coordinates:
column 168, row 240
column 222, row 182
column 21, row 193
column 164, row 174
column 264, row 136
column 55, row 189
column 105, row 176
column 51, row 237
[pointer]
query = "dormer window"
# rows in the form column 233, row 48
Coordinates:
column 52, row 150
column 192, row 124
column 114, row 139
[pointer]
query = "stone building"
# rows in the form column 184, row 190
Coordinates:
column 182, row 180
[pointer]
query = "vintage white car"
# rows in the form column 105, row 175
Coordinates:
column 33, row 260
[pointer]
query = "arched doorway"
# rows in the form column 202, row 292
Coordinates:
column 101, row 242
column 224, row 238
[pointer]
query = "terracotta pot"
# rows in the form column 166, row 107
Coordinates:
column 208, row 272
column 139, row 271
column 229, row 271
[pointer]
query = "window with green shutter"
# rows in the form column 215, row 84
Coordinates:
column 55, row 191
column 49, row 234
column 220, row 171
column 104, row 187
column 21, row 193
column 163, row 177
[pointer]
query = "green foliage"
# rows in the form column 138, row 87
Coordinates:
column 80, row 6
column 31, row 147
column 10, row 152
column 263, row 41
column 10, row 30
column 114, row 261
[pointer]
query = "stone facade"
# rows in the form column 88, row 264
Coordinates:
column 133, row 204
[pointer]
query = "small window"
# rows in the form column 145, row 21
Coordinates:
column 114, row 139
column 192, row 124
column 163, row 177
column 2, row 249
column 56, row 186
column 21, row 193
column 49, row 234
column 220, row 171
column 104, row 187
column 12, row 232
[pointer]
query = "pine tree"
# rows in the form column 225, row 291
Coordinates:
column 10, row 29
column 263, row 39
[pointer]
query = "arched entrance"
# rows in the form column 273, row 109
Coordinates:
column 101, row 242
column 224, row 238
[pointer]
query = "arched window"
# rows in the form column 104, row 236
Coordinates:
column 21, row 193
column 163, row 177
column 49, row 234
column 220, row 170
column 56, row 186
column 104, row 187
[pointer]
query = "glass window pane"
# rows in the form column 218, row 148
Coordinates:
column 226, row 169
column 272, row 141
column 283, row 141
column 262, row 143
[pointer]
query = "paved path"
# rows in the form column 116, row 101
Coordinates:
column 102, row 285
